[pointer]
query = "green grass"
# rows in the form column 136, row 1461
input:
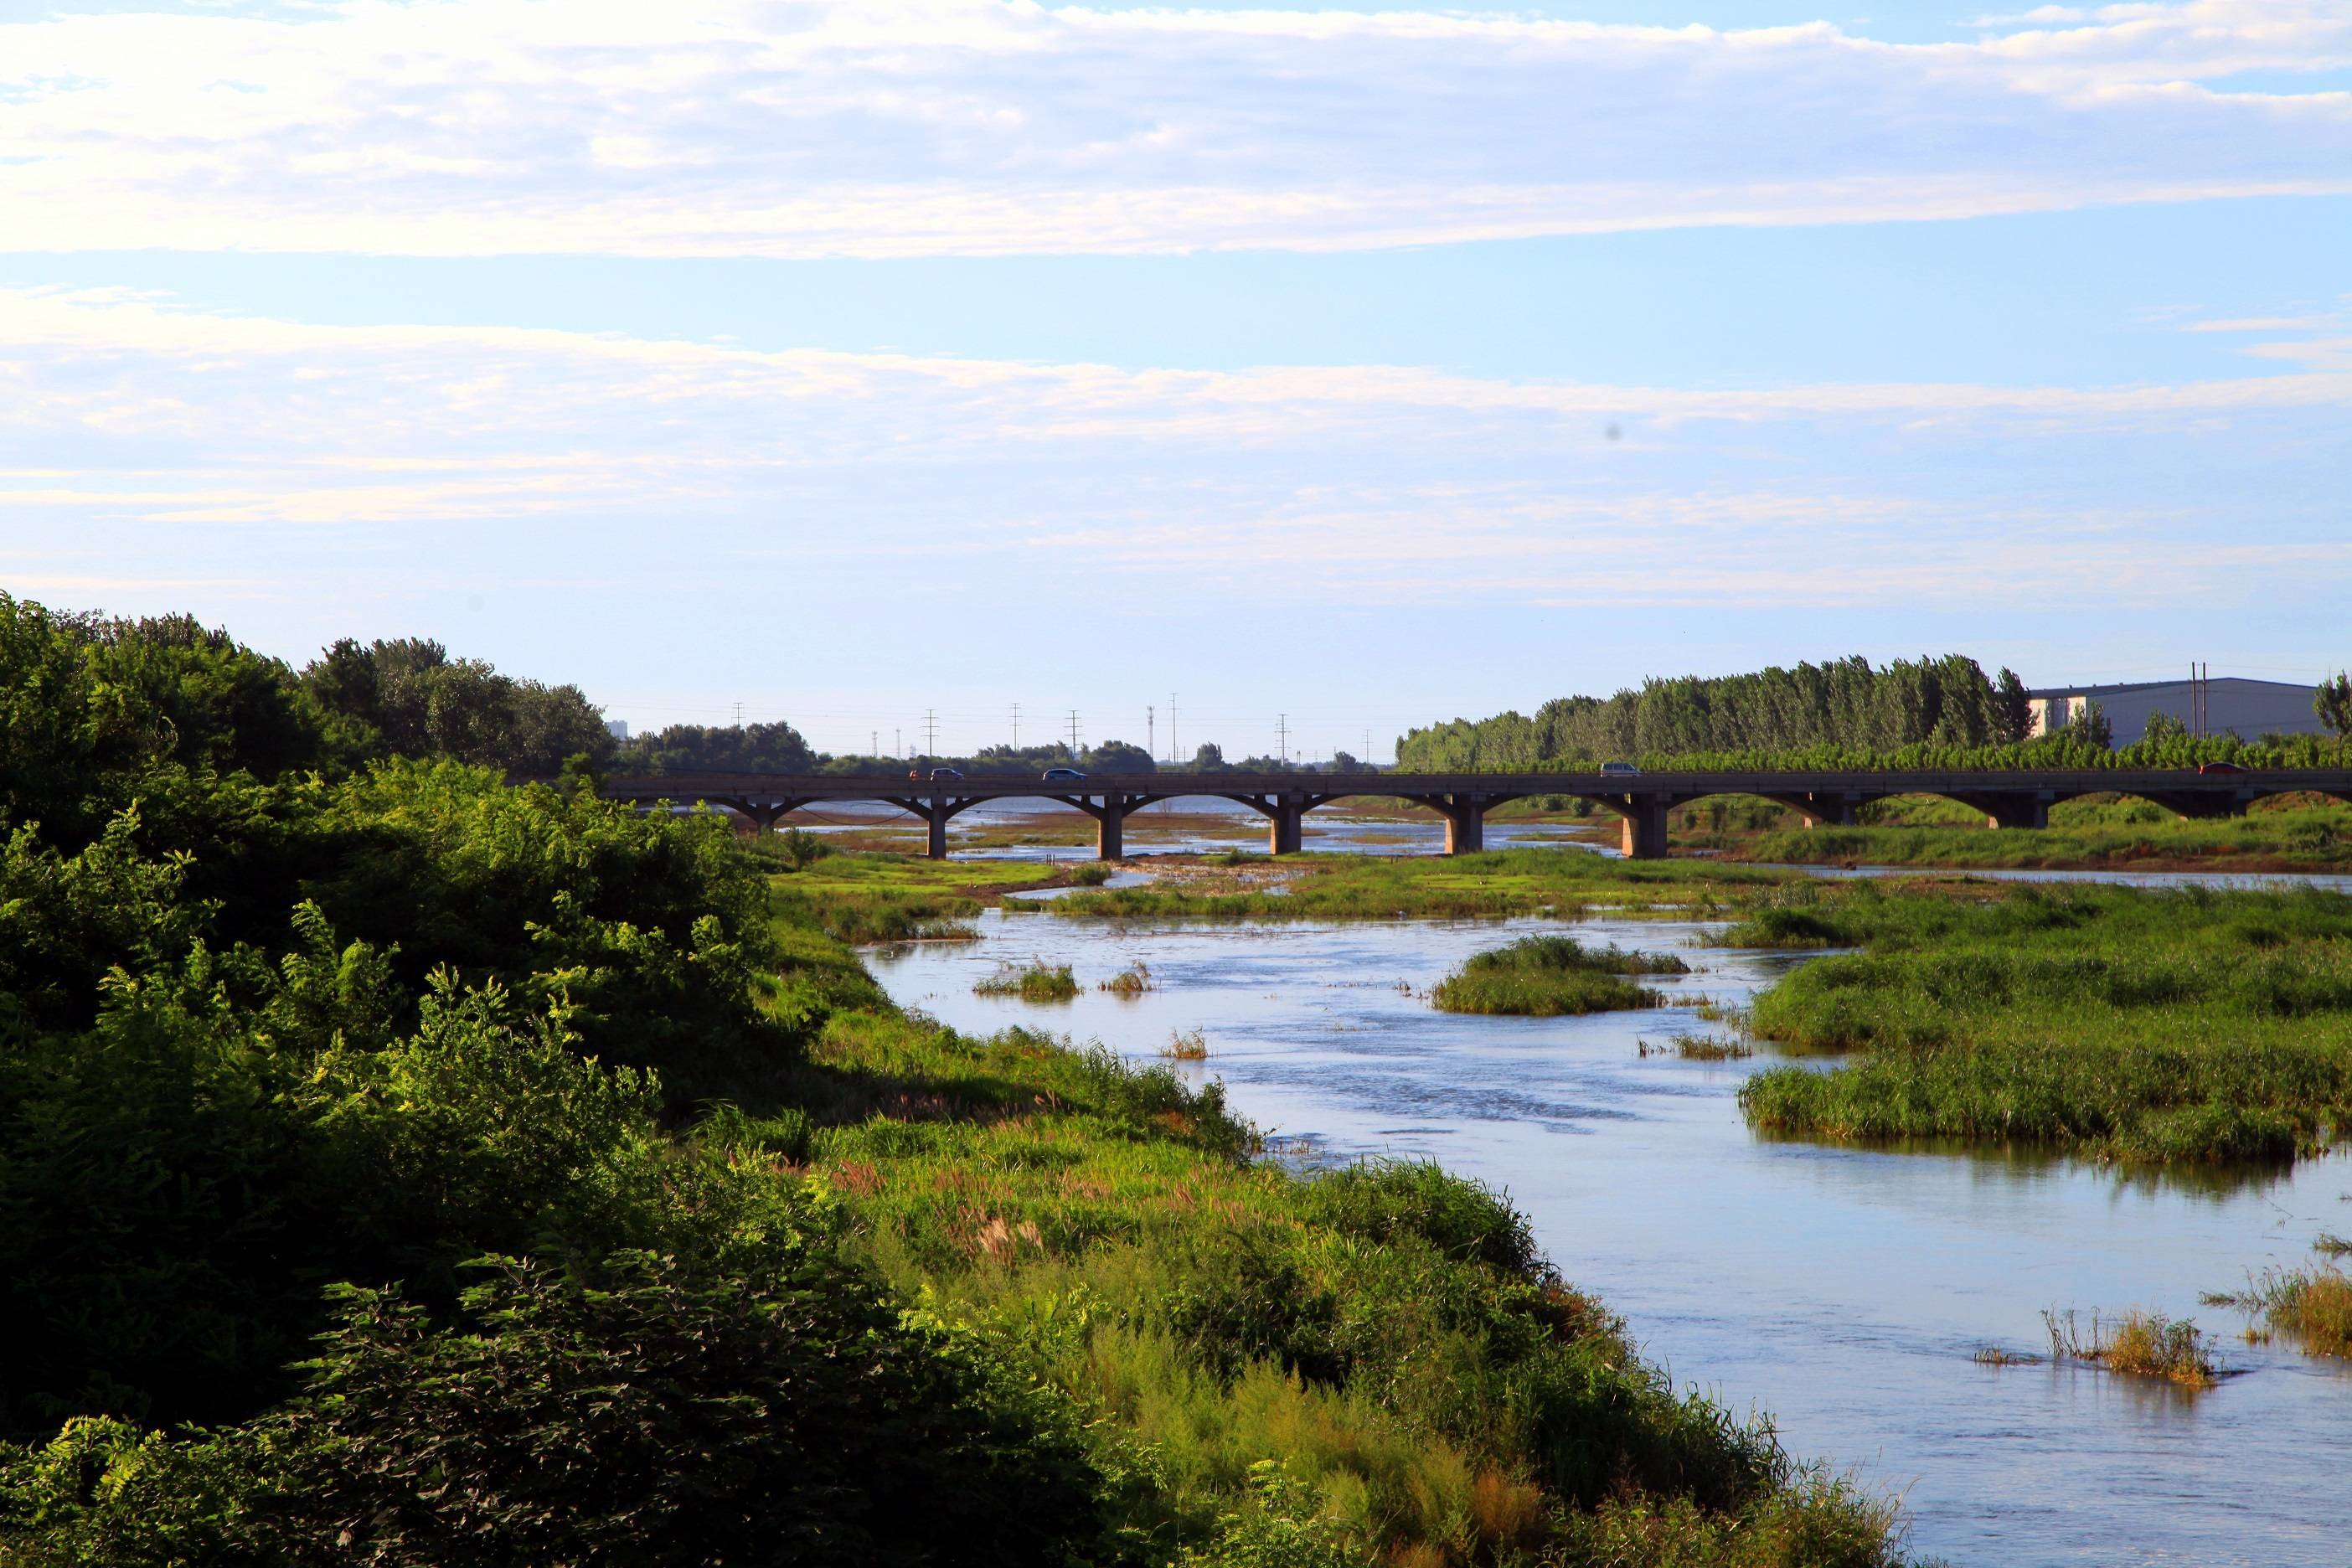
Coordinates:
column 868, row 898
column 2118, row 834
column 2162, row 1026
column 1495, row 883
column 1369, row 1364
column 1036, row 982
column 1549, row 976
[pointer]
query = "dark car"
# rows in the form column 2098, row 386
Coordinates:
column 2219, row 768
column 947, row 775
column 1061, row 775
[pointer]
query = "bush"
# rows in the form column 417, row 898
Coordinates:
column 643, row 1413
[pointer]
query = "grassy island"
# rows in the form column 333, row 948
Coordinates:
column 2159, row 1026
column 1547, row 976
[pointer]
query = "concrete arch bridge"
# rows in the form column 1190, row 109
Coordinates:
column 2020, row 799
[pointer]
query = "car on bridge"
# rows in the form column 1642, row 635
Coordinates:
column 1061, row 775
column 1619, row 770
column 939, row 776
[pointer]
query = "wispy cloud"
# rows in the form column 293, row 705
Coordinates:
column 125, row 419
column 907, row 126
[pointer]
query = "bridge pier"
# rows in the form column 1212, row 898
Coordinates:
column 1643, row 837
column 1835, row 810
column 1283, row 832
column 935, row 825
column 1111, row 829
column 1465, row 821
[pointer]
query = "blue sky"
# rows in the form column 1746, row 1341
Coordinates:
column 1360, row 363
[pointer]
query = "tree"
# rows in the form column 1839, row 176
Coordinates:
column 1119, row 757
column 2333, row 703
column 2013, row 709
column 408, row 697
column 1342, row 763
column 2090, row 725
column 759, row 748
column 1209, row 758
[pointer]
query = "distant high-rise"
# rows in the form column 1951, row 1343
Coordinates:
column 620, row 728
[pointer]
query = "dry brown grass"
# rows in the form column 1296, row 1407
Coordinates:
column 1186, row 1046
column 2143, row 1344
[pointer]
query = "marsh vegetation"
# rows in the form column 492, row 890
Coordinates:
column 1547, row 976
column 2160, row 1026
column 1035, row 982
column 2141, row 1343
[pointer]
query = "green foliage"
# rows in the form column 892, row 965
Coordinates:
column 2164, row 1027
column 641, row 1412
column 407, row 697
column 799, row 849
column 1547, row 976
column 623, row 1220
column 1032, row 982
column 93, row 709
column 2118, row 831
column 1932, row 715
column 775, row 747
column 1944, row 703
column 2332, row 702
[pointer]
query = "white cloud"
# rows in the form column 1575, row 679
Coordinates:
column 123, row 419
column 903, row 127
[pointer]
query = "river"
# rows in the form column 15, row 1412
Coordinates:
column 1843, row 1290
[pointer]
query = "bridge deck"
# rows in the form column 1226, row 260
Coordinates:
column 2008, row 799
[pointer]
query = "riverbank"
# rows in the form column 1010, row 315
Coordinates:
column 2091, row 835
column 1235, row 1341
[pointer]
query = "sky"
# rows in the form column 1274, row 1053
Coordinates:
column 1318, row 371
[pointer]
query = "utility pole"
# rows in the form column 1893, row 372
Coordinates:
column 1016, row 728
column 1367, row 749
column 1282, row 737
column 898, row 744
column 1074, row 734
column 738, row 713
column 873, row 742
column 1172, row 728
column 931, row 733
column 1151, row 741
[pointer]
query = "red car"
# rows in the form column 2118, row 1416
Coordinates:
column 2219, row 768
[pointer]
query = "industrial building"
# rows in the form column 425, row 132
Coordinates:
column 2251, row 708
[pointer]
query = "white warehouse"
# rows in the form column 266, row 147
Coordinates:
column 2252, row 708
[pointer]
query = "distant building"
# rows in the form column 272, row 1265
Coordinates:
column 2252, row 708
column 620, row 728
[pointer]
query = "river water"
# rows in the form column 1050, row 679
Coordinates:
column 1843, row 1290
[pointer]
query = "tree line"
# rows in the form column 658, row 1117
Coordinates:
column 1845, row 715
column 1847, row 702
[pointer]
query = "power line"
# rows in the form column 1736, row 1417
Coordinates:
column 1074, row 734
column 1282, row 737
column 931, row 733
